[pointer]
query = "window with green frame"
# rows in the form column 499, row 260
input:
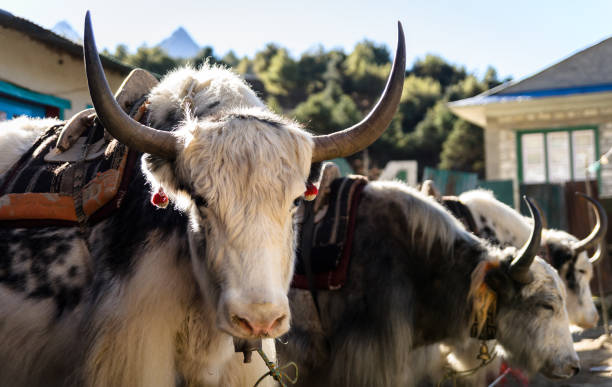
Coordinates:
column 555, row 155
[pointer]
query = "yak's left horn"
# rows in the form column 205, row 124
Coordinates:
column 519, row 268
column 600, row 229
column 126, row 130
column 361, row 135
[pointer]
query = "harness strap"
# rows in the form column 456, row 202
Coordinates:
column 137, row 111
column 306, row 244
column 77, row 186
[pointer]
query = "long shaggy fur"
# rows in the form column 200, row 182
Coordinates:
column 145, row 304
column 404, row 293
column 17, row 135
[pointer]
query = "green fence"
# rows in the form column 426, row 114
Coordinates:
column 344, row 166
column 451, row 182
column 455, row 183
column 502, row 189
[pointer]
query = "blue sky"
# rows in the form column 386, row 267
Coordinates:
column 517, row 37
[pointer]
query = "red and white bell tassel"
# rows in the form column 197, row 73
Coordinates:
column 160, row 199
column 311, row 192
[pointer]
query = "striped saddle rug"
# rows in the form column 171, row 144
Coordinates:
column 80, row 186
column 332, row 236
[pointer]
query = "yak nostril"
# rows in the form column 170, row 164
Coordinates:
column 277, row 322
column 576, row 370
column 243, row 323
column 262, row 328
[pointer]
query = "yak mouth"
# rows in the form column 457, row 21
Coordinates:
column 559, row 373
column 246, row 347
column 556, row 376
column 586, row 325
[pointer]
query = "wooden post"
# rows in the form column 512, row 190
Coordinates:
column 597, row 268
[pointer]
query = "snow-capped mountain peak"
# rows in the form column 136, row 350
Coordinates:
column 64, row 29
column 180, row 44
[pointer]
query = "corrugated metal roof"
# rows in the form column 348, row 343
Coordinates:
column 586, row 68
column 587, row 71
column 54, row 41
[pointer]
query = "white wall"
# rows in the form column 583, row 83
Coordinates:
column 32, row 65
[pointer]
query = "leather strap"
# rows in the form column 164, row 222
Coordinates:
column 306, row 244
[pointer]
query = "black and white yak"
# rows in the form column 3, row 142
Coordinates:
column 152, row 297
column 417, row 277
column 502, row 225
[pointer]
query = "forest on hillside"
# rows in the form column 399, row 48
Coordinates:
column 330, row 90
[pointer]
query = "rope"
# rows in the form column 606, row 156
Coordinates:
column 276, row 372
column 484, row 356
column 500, row 377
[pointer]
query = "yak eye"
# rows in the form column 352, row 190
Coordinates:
column 297, row 201
column 581, row 271
column 547, row 306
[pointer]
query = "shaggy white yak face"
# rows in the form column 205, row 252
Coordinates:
column 577, row 275
column 532, row 321
column 238, row 175
column 576, row 272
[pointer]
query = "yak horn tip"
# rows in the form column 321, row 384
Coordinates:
column 600, row 229
column 88, row 18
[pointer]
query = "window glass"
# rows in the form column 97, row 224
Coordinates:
column 534, row 169
column 583, row 142
column 557, row 144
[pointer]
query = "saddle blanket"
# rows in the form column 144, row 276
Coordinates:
column 36, row 192
column 332, row 236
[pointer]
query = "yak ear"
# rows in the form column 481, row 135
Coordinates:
column 500, row 281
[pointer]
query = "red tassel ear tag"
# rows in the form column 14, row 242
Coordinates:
column 160, row 199
column 311, row 192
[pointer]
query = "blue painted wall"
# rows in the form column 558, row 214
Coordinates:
column 12, row 108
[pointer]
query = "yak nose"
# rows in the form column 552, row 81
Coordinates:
column 590, row 321
column 573, row 367
column 595, row 318
column 261, row 319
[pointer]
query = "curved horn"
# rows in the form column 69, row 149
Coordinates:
column 519, row 268
column 542, row 214
column 596, row 256
column 361, row 135
column 600, row 229
column 126, row 130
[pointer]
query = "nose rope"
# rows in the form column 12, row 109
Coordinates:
column 276, row 372
column 485, row 358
